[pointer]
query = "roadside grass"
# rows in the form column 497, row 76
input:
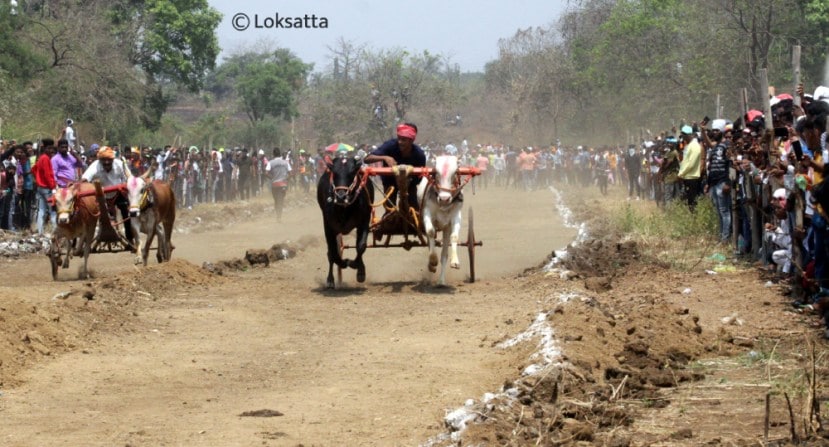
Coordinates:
column 673, row 235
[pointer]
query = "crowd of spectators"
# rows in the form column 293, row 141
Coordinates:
column 762, row 174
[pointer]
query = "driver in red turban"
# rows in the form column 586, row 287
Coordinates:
column 400, row 151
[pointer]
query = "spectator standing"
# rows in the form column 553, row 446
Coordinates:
column 526, row 164
column 7, row 169
column 45, row 182
column 279, row 169
column 68, row 133
column 633, row 165
column 23, row 183
column 690, row 168
column 65, row 165
column 669, row 171
column 482, row 163
column 245, row 166
column 718, row 182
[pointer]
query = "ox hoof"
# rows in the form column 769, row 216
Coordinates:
column 361, row 276
column 433, row 263
column 137, row 260
column 329, row 284
column 455, row 265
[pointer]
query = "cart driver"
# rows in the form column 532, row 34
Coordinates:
column 400, row 151
column 111, row 172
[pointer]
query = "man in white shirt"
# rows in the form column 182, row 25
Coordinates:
column 69, row 133
column 111, row 172
column 279, row 169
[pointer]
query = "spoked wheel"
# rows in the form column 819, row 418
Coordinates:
column 340, row 249
column 470, row 245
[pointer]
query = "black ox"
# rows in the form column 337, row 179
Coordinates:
column 345, row 201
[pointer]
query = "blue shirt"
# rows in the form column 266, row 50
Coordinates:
column 392, row 149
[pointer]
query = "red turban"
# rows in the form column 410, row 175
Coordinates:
column 406, row 131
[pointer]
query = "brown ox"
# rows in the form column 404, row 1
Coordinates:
column 152, row 210
column 77, row 216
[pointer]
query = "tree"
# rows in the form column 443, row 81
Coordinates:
column 266, row 83
column 172, row 40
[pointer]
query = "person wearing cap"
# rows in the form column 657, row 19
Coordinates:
column 111, row 172
column 400, row 151
column 690, row 168
column 718, row 182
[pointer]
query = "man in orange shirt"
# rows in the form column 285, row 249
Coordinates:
column 526, row 164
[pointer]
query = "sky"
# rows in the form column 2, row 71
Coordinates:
column 466, row 31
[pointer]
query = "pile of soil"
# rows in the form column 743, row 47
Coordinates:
column 638, row 341
column 78, row 316
column 256, row 257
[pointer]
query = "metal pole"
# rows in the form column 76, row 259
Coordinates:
column 718, row 111
column 796, row 73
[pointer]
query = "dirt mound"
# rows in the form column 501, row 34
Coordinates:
column 607, row 256
column 159, row 279
column 617, row 348
column 33, row 331
column 77, row 317
column 262, row 257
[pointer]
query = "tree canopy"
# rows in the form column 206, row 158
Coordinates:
column 266, row 83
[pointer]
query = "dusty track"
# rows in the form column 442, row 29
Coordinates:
column 373, row 364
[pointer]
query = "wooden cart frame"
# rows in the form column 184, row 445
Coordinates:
column 107, row 240
column 404, row 221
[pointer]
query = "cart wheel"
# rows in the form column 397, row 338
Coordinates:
column 340, row 269
column 470, row 245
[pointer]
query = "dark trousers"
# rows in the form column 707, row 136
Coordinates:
column 633, row 184
column 6, row 207
column 20, row 213
column 123, row 205
column 693, row 189
column 278, row 199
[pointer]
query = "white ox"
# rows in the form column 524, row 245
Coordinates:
column 152, row 212
column 441, row 202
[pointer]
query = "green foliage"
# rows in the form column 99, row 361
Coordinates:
column 676, row 221
column 17, row 58
column 617, row 65
column 419, row 87
column 169, row 39
column 266, row 83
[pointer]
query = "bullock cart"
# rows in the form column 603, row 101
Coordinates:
column 106, row 239
column 399, row 224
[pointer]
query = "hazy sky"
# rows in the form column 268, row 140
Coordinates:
column 465, row 30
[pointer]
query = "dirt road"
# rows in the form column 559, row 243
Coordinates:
column 172, row 355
